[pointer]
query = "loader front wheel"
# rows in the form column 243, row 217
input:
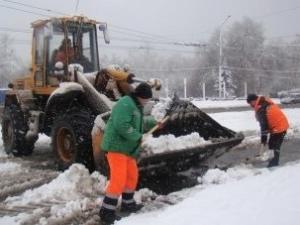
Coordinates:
column 14, row 128
column 71, row 139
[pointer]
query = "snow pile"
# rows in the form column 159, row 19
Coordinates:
column 70, row 195
column 75, row 183
column 165, row 143
column 159, row 110
column 269, row 198
column 65, row 87
column 217, row 176
column 8, row 220
column 144, row 195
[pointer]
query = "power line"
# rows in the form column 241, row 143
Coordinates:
column 7, row 29
column 261, row 70
column 22, row 10
column 77, row 4
column 142, row 32
column 153, row 39
column 283, row 36
column 142, row 48
column 34, row 7
column 279, row 12
column 182, row 44
column 176, row 69
column 145, row 34
column 131, row 32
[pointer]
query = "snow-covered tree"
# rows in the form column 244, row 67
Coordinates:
column 10, row 65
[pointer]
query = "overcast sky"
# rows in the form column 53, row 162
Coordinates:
column 182, row 20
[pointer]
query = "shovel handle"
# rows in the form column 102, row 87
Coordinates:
column 157, row 126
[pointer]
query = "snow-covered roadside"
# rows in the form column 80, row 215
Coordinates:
column 245, row 121
column 10, row 167
column 75, row 192
column 224, row 103
column 71, row 192
column 263, row 197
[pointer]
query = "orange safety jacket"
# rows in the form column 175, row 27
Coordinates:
column 270, row 116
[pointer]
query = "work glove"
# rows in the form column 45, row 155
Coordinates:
column 130, row 78
column 263, row 139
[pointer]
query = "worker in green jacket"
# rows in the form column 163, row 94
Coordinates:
column 121, row 141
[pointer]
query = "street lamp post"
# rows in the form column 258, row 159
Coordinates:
column 221, row 56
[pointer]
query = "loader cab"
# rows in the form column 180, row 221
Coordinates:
column 60, row 42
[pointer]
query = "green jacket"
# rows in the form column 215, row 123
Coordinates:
column 125, row 127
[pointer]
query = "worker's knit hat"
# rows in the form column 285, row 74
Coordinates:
column 251, row 97
column 143, row 90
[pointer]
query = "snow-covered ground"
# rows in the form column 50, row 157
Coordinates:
column 223, row 103
column 245, row 121
column 70, row 193
column 247, row 197
column 241, row 195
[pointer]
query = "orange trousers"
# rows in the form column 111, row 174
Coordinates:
column 123, row 174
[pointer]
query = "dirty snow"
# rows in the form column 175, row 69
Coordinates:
column 9, row 167
column 73, row 184
column 241, row 196
column 165, row 143
column 71, row 192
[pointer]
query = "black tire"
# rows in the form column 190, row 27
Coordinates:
column 71, row 139
column 14, row 129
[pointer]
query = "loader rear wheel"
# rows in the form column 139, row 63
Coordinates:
column 71, row 139
column 14, row 128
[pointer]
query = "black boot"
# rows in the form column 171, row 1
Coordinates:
column 129, row 205
column 108, row 210
column 108, row 216
column 131, row 208
column 275, row 161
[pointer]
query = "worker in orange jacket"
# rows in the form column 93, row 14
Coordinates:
column 272, row 120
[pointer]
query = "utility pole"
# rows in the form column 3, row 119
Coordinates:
column 203, row 91
column 221, row 56
column 167, row 87
column 245, row 89
column 76, row 7
column 224, row 89
column 184, row 83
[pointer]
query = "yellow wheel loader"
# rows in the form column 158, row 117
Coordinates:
column 62, row 96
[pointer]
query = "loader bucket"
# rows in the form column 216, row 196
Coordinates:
column 185, row 118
